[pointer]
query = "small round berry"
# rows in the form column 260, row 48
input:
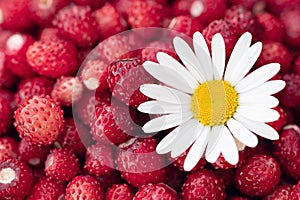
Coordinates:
column 156, row 191
column 119, row 192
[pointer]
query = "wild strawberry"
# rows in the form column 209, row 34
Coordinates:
column 73, row 135
column 49, row 33
column 290, row 20
column 119, row 192
column 8, row 148
column 278, row 124
column 91, row 3
column 112, row 123
column 290, row 96
column 7, row 78
column 99, row 159
column 108, row 180
column 138, row 162
column 94, row 75
column 156, row 191
column 6, row 116
column 258, row 175
column 15, row 179
column 39, row 120
column 241, row 20
column 67, row 90
column 43, row 11
column 15, row 54
column 221, row 26
column 179, row 161
column 279, row 6
column 62, row 164
column 221, row 163
column 124, row 79
column 109, row 21
column 34, row 155
column 282, row 192
column 205, row 183
column 146, row 14
column 15, row 15
column 52, row 58
column 273, row 28
column 84, row 187
column 186, row 25
column 295, row 193
column 275, row 52
column 78, row 24
column 205, row 11
column 47, row 188
column 287, row 149
column 30, row 87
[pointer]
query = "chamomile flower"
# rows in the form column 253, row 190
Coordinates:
column 214, row 109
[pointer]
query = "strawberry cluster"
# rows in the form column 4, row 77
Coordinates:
column 69, row 92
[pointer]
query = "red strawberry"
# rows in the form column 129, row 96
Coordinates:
column 221, row 163
column 52, row 58
column 6, row 116
column 290, row 95
column 15, row 179
column 109, row 21
column 119, row 192
column 67, row 90
column 34, row 155
column 156, row 191
column 73, row 135
column 124, row 79
column 92, row 3
column 295, row 193
column 279, row 123
column 30, row 87
column 49, row 33
column 8, row 148
column 186, row 25
column 7, row 78
column 138, row 162
column 290, row 20
column 62, row 164
column 275, row 52
column 78, row 24
column 84, row 187
column 15, row 54
column 39, row 120
column 205, row 10
column 280, row 192
column 204, row 183
column 47, row 189
column 94, row 75
column 179, row 161
column 287, row 149
column 221, row 26
column 43, row 11
column 99, row 159
column 112, row 123
column 258, row 175
column 15, row 15
column 273, row 28
column 279, row 6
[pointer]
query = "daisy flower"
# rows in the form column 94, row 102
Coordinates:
column 213, row 109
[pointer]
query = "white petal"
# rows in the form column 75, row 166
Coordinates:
column 167, row 60
column 213, row 150
column 166, row 122
column 159, row 107
column 165, row 94
column 241, row 133
column 245, row 63
column 228, row 147
column 187, row 139
column 258, row 100
column 189, row 59
column 257, row 77
column 238, row 51
column 259, row 114
column 218, row 55
column 260, row 128
column 203, row 55
column 168, row 76
column 197, row 150
column 268, row 88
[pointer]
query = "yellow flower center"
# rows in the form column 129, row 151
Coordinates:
column 214, row 102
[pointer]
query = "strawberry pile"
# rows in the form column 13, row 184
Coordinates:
column 69, row 92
